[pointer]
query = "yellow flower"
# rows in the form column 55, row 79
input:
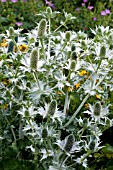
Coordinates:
column 15, row 49
column 23, row 47
column 77, row 85
column 6, row 106
column 5, row 82
column 59, row 92
column 86, row 106
column 83, row 72
column 68, row 89
column 4, row 43
column 97, row 96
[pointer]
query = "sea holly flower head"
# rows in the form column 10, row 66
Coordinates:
column 69, row 145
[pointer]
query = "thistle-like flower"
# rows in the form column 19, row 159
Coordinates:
column 11, row 31
column 52, row 108
column 69, row 143
column 16, row 39
column 103, row 51
column 42, row 28
column 97, row 109
column 10, row 47
column 34, row 59
column 73, row 55
column 92, row 145
column 73, row 65
column 73, row 47
column 68, row 36
column 68, row 16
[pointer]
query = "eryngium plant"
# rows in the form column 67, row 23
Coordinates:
column 49, row 115
column 42, row 28
column 73, row 65
column 103, row 51
column 68, row 36
column 34, row 59
column 11, row 31
column 97, row 109
column 52, row 108
column 10, row 47
column 69, row 143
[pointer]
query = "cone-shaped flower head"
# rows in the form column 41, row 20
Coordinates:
column 52, row 108
column 73, row 47
column 34, row 59
column 11, row 31
column 69, row 16
column 97, row 109
column 103, row 51
column 99, row 30
column 69, row 143
column 73, row 65
column 49, row 10
column 16, row 39
column 42, row 28
column 10, row 47
column 92, row 145
column 73, row 55
column 68, row 36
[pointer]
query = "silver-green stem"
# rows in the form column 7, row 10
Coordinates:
column 66, row 105
column 36, row 79
column 49, row 31
column 11, row 129
column 60, row 26
column 77, row 111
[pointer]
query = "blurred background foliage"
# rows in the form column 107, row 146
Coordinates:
column 22, row 13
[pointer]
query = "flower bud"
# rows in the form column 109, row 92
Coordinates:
column 11, row 31
column 65, row 72
column 68, row 36
column 34, row 59
column 10, row 47
column 92, row 145
column 97, row 109
column 52, row 108
column 69, row 143
column 69, row 16
column 102, row 51
column 73, row 55
column 73, row 47
column 73, row 65
column 42, row 28
column 16, row 39
column 99, row 30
